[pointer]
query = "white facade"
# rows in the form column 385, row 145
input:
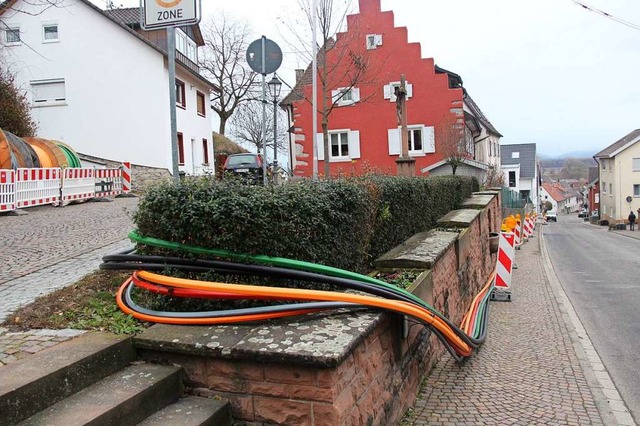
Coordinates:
column 103, row 90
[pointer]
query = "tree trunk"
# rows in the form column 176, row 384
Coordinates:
column 223, row 126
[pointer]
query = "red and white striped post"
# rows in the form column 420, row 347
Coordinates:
column 126, row 177
column 504, row 267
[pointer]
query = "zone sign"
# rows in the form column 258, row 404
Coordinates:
column 169, row 13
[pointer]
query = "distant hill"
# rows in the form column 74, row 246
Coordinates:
column 558, row 163
column 573, row 154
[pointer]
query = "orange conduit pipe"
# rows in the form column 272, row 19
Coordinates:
column 461, row 347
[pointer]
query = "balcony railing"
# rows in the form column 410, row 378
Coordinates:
column 184, row 60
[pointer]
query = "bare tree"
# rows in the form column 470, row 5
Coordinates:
column 342, row 60
column 247, row 126
column 455, row 144
column 225, row 63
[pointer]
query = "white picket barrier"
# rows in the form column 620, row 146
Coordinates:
column 108, row 182
column 37, row 187
column 7, row 190
column 78, row 184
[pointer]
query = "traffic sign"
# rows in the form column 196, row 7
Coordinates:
column 168, row 13
column 272, row 56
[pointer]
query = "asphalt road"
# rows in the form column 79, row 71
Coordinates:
column 600, row 273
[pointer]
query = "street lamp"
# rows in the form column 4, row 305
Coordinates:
column 275, row 85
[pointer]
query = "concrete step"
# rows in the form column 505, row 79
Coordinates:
column 124, row 398
column 192, row 411
column 42, row 379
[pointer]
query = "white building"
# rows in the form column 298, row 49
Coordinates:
column 520, row 168
column 98, row 82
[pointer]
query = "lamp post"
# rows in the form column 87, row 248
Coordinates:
column 275, row 85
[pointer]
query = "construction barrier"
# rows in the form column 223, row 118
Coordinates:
column 126, row 177
column 7, row 190
column 518, row 234
column 528, row 231
column 37, row 187
column 504, row 267
column 78, row 184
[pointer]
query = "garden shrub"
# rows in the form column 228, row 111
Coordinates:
column 345, row 223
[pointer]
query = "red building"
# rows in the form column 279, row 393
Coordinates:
column 363, row 126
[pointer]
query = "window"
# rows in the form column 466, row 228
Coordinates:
column 515, row 155
column 180, row 94
column 48, row 92
column 345, row 95
column 389, row 89
column 344, row 145
column 421, row 140
column 339, row 144
column 205, row 152
column 201, row 104
column 50, row 33
column 191, row 51
column 604, row 164
column 12, row 35
column 636, row 165
column 181, row 42
column 373, row 41
column 415, row 139
column 180, row 150
column 512, row 179
column 611, row 189
column 604, row 187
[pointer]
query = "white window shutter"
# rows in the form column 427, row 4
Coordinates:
column 428, row 139
column 387, row 91
column 320, row 142
column 354, row 144
column 335, row 94
column 355, row 94
column 378, row 38
column 409, row 88
column 394, row 141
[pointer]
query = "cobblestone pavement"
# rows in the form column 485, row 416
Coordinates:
column 46, row 235
column 17, row 345
column 527, row 372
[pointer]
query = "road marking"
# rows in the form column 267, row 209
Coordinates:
column 592, row 281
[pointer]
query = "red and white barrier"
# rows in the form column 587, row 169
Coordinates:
column 107, row 182
column 528, row 232
column 7, row 190
column 518, row 234
column 78, row 184
column 126, row 177
column 37, row 187
column 40, row 186
column 504, row 267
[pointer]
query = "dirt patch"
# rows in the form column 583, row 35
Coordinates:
column 88, row 304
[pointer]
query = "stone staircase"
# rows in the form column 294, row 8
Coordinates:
column 95, row 379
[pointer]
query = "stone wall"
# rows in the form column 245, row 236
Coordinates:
column 141, row 176
column 345, row 368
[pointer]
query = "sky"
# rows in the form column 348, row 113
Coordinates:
column 543, row 71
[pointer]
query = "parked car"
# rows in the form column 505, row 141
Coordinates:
column 583, row 213
column 551, row 215
column 247, row 166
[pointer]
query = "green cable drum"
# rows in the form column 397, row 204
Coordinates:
column 72, row 157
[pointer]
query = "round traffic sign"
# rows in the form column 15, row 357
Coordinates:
column 272, row 56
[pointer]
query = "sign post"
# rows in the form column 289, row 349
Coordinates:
column 264, row 56
column 155, row 14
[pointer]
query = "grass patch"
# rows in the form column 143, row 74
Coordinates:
column 88, row 304
column 399, row 278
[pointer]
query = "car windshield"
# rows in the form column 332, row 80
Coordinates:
column 242, row 160
column 551, row 212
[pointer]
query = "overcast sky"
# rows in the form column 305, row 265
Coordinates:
column 543, row 71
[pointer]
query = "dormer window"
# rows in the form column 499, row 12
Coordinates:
column 515, row 154
column 373, row 41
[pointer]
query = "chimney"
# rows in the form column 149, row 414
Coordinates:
column 299, row 74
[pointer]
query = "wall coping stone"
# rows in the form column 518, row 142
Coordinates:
column 478, row 201
column 418, row 252
column 459, row 218
column 322, row 339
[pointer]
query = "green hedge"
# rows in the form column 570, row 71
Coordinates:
column 344, row 223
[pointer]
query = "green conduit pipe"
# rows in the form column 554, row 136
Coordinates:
column 277, row 261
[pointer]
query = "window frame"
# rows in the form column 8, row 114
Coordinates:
column 515, row 179
column 15, row 29
column 46, row 25
column 341, row 156
column 411, row 130
column 180, row 149
column 36, row 103
column 181, row 101
column 205, row 152
column 200, row 95
column 635, row 164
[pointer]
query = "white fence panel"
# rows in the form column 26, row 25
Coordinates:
column 36, row 187
column 108, row 182
column 78, row 184
column 7, row 190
